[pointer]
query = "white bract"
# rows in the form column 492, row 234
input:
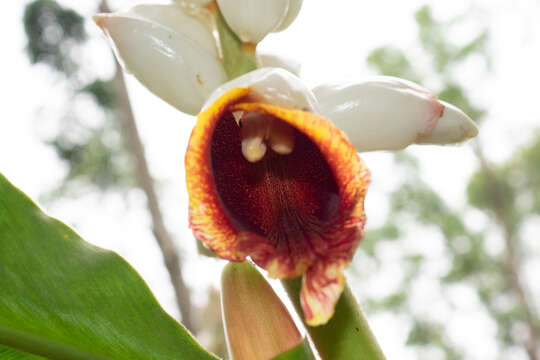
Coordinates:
column 252, row 20
column 270, row 60
column 387, row 113
column 171, row 52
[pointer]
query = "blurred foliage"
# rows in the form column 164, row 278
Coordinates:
column 508, row 194
column 52, row 32
column 99, row 158
column 102, row 92
column 391, row 61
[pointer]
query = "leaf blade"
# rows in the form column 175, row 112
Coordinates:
column 61, row 296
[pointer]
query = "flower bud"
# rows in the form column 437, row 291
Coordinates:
column 169, row 51
column 258, row 326
column 252, row 20
column 387, row 113
column 292, row 13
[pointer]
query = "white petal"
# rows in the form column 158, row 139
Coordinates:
column 171, row 61
column 272, row 85
column 268, row 60
column 292, row 13
column 196, row 3
column 252, row 20
column 386, row 113
column 453, row 126
column 175, row 18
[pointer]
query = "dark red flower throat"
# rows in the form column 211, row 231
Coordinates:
column 283, row 198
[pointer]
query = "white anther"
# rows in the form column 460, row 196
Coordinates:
column 281, row 137
column 253, row 149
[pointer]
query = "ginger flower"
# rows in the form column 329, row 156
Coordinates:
column 270, row 175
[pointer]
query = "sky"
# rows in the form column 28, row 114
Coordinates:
column 331, row 40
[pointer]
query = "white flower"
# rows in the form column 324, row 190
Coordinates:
column 171, row 52
column 252, row 20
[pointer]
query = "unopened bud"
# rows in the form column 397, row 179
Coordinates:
column 258, row 326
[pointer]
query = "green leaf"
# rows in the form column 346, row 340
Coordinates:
column 12, row 354
column 63, row 298
column 300, row 352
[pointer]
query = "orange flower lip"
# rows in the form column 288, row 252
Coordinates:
column 293, row 214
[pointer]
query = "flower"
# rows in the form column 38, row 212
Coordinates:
column 269, row 173
column 271, row 179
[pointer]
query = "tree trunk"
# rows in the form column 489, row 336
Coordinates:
column 146, row 183
column 512, row 257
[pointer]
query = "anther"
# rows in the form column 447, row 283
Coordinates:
column 258, row 130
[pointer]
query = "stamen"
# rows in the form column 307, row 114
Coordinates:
column 258, row 130
column 281, row 137
column 253, row 149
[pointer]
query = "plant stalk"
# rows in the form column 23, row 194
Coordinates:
column 346, row 336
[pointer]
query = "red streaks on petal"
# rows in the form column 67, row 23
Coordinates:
column 206, row 217
column 321, row 287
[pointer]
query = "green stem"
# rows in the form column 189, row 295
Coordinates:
column 347, row 335
column 301, row 352
column 238, row 58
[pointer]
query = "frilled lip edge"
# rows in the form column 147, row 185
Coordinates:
column 323, row 279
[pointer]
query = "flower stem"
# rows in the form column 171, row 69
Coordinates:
column 238, row 58
column 347, row 335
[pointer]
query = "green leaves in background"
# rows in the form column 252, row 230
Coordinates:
column 49, row 42
column 63, row 298
column 94, row 153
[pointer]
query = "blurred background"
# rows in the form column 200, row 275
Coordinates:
column 450, row 264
